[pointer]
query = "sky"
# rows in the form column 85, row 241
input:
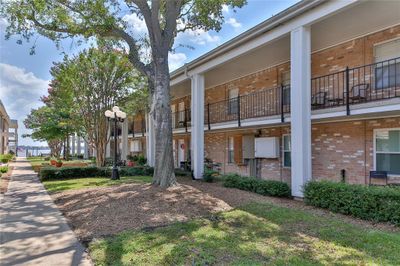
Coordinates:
column 24, row 77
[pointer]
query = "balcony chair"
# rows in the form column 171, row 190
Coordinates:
column 318, row 99
column 359, row 92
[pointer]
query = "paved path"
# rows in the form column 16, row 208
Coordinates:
column 33, row 231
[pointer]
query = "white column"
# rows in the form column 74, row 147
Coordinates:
column 150, row 148
column 300, row 91
column 73, row 144
column 78, row 145
column 108, row 148
column 197, row 133
column 124, row 140
column 85, row 150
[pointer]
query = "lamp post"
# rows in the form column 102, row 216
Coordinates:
column 115, row 115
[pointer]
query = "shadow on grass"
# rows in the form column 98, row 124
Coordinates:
column 256, row 234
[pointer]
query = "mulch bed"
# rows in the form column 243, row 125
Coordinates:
column 105, row 211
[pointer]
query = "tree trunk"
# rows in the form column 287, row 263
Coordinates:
column 160, row 112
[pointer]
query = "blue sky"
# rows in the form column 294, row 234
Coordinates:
column 24, row 77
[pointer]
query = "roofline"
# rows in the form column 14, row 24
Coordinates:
column 273, row 22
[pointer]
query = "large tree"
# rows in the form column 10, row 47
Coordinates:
column 50, row 125
column 95, row 80
column 58, row 19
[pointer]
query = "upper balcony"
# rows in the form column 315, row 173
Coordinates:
column 352, row 86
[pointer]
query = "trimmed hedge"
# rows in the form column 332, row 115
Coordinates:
column 135, row 171
column 259, row 186
column 53, row 173
column 366, row 202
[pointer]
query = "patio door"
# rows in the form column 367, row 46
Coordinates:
column 181, row 108
column 174, row 153
column 181, row 151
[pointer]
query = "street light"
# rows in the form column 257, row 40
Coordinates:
column 115, row 115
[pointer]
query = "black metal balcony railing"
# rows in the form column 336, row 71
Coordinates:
column 181, row 119
column 373, row 82
column 368, row 83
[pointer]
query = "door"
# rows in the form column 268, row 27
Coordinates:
column 181, row 113
column 174, row 153
column 181, row 151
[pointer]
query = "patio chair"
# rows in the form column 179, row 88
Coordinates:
column 359, row 92
column 318, row 99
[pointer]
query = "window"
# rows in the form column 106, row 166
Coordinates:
column 287, row 151
column 233, row 101
column 387, row 69
column 387, row 150
column 136, row 146
column 231, row 150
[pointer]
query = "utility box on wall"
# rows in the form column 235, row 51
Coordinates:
column 266, row 147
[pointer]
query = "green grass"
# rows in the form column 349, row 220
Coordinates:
column 257, row 234
column 53, row 186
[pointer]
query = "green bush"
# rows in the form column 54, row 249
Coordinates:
column 259, row 186
column 365, row 202
column 135, row 171
column 3, row 169
column 52, row 173
column 210, row 175
column 5, row 158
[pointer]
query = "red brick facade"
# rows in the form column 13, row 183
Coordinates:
column 335, row 146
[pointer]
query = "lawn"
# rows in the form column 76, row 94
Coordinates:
column 53, row 186
column 255, row 234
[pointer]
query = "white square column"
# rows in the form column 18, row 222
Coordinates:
column 150, row 141
column 124, row 140
column 78, row 147
column 197, row 133
column 300, row 98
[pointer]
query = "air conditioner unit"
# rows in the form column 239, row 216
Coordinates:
column 266, row 147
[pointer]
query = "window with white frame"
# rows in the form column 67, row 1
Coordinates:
column 287, row 151
column 231, row 150
column 387, row 68
column 136, row 146
column 286, row 87
column 233, row 101
column 387, row 150
column 181, row 107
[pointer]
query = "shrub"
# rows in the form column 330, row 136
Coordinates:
column 3, row 169
column 259, row 186
column 365, row 202
column 210, row 175
column 5, row 158
column 141, row 160
column 138, row 170
column 51, row 173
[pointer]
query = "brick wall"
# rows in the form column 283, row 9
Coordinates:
column 335, row 146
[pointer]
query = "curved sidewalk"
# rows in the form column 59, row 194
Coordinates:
column 33, row 231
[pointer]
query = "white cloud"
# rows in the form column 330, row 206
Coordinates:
column 197, row 37
column 176, row 60
column 233, row 22
column 136, row 24
column 225, row 9
column 20, row 92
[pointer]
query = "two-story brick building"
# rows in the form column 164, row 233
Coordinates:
column 311, row 93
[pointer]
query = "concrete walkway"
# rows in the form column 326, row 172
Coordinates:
column 33, row 231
